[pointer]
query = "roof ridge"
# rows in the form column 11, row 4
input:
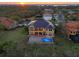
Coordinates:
column 31, row 22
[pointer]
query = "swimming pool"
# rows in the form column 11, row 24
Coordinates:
column 47, row 39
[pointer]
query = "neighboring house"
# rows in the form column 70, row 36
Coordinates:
column 38, row 16
column 59, row 18
column 71, row 12
column 48, row 10
column 23, row 23
column 40, row 29
column 75, row 15
column 72, row 28
column 29, row 18
column 47, row 15
column 8, row 23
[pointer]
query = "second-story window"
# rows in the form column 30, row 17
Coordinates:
column 40, row 29
column 50, row 29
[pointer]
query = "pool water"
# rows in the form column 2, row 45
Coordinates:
column 47, row 40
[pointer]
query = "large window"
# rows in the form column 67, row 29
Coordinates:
column 44, row 33
column 36, row 33
column 40, row 33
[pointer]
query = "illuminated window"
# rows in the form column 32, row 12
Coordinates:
column 44, row 33
column 40, row 33
column 36, row 33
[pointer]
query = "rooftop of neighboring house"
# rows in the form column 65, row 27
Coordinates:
column 75, row 14
column 47, row 14
column 48, row 11
column 72, row 25
column 6, row 21
column 42, row 24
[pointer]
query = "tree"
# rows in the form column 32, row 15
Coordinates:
column 15, row 17
column 1, row 27
column 25, row 30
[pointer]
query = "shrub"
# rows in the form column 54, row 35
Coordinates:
column 1, row 27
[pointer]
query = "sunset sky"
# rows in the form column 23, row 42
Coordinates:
column 39, row 2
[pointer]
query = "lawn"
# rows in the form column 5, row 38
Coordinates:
column 10, row 42
column 15, row 44
column 13, row 35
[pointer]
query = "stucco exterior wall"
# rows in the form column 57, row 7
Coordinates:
column 46, row 31
column 50, row 32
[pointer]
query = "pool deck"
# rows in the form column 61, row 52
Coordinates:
column 35, row 39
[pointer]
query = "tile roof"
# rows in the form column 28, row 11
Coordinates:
column 50, row 27
column 72, row 25
column 6, row 21
column 41, row 23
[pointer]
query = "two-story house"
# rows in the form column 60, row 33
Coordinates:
column 39, row 29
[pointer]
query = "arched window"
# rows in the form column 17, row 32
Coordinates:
column 40, row 33
column 36, row 33
column 44, row 33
